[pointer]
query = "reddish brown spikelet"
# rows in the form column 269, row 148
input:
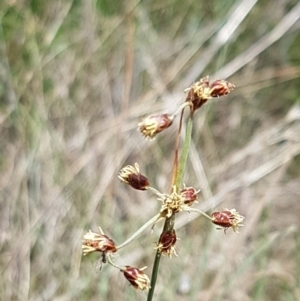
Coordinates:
column 132, row 176
column 222, row 219
column 228, row 218
column 95, row 242
column 220, row 88
column 154, row 124
column 166, row 244
column 198, row 93
column 189, row 194
column 201, row 91
column 138, row 182
column 137, row 278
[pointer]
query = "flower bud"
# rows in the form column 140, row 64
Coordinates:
column 166, row 243
column 137, row 278
column 132, row 176
column 189, row 195
column 154, row 124
column 220, row 87
column 94, row 242
column 228, row 218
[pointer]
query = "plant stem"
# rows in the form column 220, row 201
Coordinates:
column 150, row 222
column 112, row 263
column 175, row 165
column 185, row 152
column 169, row 224
column 154, row 275
column 189, row 209
column 177, row 179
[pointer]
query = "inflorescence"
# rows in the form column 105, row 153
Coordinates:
column 177, row 200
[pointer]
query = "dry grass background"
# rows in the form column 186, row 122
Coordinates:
column 75, row 79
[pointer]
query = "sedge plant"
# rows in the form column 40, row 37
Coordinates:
column 179, row 198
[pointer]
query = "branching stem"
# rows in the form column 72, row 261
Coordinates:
column 178, row 171
column 189, row 209
column 150, row 222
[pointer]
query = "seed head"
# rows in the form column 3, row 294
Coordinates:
column 166, row 243
column 154, row 124
column 132, row 176
column 198, row 93
column 201, row 91
column 220, row 88
column 228, row 218
column 137, row 278
column 189, row 195
column 94, row 242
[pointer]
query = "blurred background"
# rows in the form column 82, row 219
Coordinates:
column 76, row 77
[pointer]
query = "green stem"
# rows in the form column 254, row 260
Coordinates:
column 112, row 263
column 185, row 152
column 189, row 209
column 154, row 275
column 150, row 222
column 169, row 223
